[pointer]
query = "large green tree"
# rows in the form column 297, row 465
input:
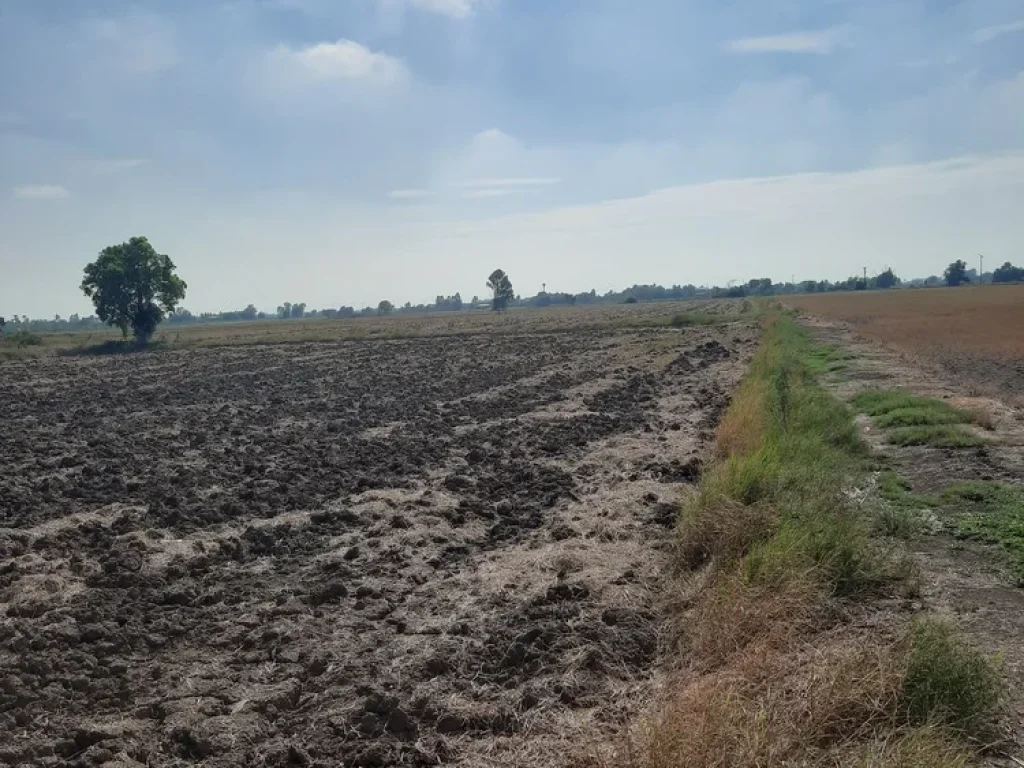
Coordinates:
column 501, row 287
column 956, row 273
column 133, row 286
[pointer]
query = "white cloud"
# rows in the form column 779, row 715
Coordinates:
column 480, row 194
column 343, row 60
column 40, row 192
column 819, row 41
column 408, row 194
column 515, row 181
column 988, row 34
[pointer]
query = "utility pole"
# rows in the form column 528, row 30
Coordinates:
column 865, row 277
column 981, row 270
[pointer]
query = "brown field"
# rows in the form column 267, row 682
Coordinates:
column 975, row 333
column 361, row 552
column 395, row 326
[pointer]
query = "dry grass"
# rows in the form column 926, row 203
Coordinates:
column 771, row 672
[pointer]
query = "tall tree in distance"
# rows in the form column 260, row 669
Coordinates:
column 956, row 273
column 385, row 307
column 133, row 286
column 501, row 287
column 887, row 279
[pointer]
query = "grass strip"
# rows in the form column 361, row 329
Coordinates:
column 779, row 548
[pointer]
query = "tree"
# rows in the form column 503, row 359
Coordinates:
column 501, row 287
column 250, row 312
column 887, row 279
column 956, row 273
column 299, row 309
column 133, row 286
column 1008, row 274
column 385, row 307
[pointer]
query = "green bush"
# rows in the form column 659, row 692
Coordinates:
column 949, row 683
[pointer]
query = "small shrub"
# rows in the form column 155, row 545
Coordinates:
column 898, row 522
column 949, row 683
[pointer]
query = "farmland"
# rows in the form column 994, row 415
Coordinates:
column 974, row 333
column 404, row 544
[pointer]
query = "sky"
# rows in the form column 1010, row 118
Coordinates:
column 339, row 152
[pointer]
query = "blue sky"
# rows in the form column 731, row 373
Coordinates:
column 344, row 151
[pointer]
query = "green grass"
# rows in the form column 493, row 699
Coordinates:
column 826, row 358
column 782, row 490
column 894, row 408
column 918, row 416
column 691, row 319
column 993, row 513
column 899, row 515
column 774, row 525
column 21, row 339
column 895, row 490
column 939, row 436
column 948, row 683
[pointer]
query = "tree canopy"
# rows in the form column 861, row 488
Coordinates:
column 385, row 307
column 1008, row 274
column 133, row 286
column 501, row 287
column 956, row 273
column 887, row 279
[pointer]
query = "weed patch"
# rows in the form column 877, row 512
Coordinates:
column 992, row 513
column 826, row 358
column 945, row 436
column 949, row 683
column 894, row 408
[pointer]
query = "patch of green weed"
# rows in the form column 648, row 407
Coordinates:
column 826, row 358
column 936, row 436
column 895, row 408
column 993, row 513
column 949, row 683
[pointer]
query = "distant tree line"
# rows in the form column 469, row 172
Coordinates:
column 133, row 287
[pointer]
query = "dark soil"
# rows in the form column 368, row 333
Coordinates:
column 363, row 554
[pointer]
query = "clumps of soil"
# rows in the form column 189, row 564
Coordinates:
column 366, row 554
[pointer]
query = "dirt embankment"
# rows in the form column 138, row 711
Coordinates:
column 375, row 553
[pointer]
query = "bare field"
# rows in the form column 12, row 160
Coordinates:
column 975, row 333
column 406, row 552
column 398, row 326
